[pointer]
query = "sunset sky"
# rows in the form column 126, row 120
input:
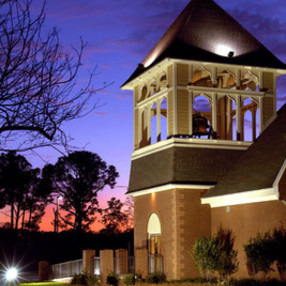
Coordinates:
column 119, row 34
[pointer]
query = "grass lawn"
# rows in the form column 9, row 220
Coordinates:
column 45, row 284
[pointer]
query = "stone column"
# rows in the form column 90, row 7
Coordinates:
column 44, row 270
column 141, row 262
column 106, row 264
column 121, row 256
column 88, row 261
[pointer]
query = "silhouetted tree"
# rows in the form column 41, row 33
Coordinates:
column 78, row 178
column 37, row 80
column 129, row 211
column 113, row 217
column 22, row 190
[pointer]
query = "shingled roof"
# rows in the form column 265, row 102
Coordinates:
column 259, row 166
column 181, row 165
column 197, row 34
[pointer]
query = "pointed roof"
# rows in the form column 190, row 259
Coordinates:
column 205, row 32
column 260, row 165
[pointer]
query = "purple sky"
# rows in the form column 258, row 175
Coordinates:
column 119, row 36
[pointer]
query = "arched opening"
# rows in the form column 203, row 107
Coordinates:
column 233, row 116
column 143, row 93
column 153, row 87
column 234, row 133
column 257, row 123
column 202, row 117
column 154, row 238
column 144, row 129
column 154, row 123
column 247, row 126
column 249, row 81
column 202, row 78
column 163, row 115
column 163, row 81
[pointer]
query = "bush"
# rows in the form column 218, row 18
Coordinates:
column 155, row 278
column 216, row 253
column 259, row 253
column 112, row 279
column 279, row 245
column 85, row 279
column 227, row 260
column 79, row 279
column 129, row 279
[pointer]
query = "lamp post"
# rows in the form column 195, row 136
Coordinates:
column 57, row 214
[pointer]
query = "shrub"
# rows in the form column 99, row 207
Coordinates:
column 85, row 279
column 259, row 253
column 112, row 279
column 279, row 245
column 205, row 253
column 227, row 260
column 155, row 278
column 79, row 279
column 216, row 253
column 129, row 279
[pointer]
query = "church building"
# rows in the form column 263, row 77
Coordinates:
column 209, row 145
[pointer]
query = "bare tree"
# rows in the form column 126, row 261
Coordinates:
column 38, row 87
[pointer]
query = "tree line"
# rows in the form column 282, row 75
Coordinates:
column 76, row 179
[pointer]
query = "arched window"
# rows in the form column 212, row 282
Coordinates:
column 154, row 234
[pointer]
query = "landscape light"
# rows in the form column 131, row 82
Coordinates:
column 11, row 274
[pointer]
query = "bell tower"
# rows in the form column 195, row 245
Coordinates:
column 191, row 96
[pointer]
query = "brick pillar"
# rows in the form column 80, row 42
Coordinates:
column 88, row 261
column 44, row 270
column 106, row 264
column 121, row 256
column 141, row 262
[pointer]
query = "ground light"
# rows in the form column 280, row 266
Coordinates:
column 11, row 274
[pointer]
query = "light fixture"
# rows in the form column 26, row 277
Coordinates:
column 224, row 50
column 11, row 274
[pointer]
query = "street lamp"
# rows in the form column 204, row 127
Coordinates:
column 57, row 214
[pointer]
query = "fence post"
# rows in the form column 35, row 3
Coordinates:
column 44, row 270
column 106, row 264
column 121, row 256
column 141, row 262
column 88, row 261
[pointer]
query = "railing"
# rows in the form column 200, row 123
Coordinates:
column 155, row 263
column 67, row 269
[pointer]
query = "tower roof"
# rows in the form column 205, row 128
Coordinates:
column 205, row 32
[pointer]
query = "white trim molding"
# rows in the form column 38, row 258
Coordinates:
column 190, row 143
column 255, row 196
column 169, row 187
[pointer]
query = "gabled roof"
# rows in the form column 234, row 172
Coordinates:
column 205, row 32
column 259, row 166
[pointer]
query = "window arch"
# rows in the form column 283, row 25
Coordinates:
column 154, row 224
